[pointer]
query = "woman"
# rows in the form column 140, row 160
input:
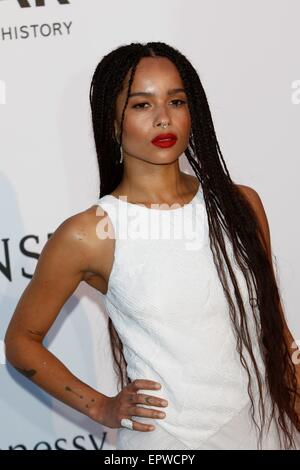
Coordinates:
column 201, row 318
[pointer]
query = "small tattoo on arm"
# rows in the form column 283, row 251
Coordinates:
column 28, row 373
column 68, row 389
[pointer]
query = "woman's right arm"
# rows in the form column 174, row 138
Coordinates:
column 63, row 262
column 72, row 252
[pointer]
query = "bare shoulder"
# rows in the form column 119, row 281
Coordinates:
column 77, row 239
column 254, row 199
column 79, row 229
column 71, row 253
column 256, row 203
column 249, row 192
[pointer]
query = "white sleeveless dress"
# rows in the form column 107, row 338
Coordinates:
column 168, row 306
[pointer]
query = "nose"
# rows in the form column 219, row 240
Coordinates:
column 162, row 115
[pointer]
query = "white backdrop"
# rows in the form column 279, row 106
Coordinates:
column 247, row 56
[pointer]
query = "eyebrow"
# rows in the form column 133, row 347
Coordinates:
column 172, row 91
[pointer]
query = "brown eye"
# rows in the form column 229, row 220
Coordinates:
column 181, row 102
column 136, row 106
column 141, row 105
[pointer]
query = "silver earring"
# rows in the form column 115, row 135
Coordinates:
column 121, row 151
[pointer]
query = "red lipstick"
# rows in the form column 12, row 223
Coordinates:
column 164, row 140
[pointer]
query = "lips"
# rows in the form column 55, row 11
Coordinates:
column 164, row 140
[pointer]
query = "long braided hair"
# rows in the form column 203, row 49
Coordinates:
column 226, row 209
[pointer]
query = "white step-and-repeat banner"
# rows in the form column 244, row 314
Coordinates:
column 247, row 55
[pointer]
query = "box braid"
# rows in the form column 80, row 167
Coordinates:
column 227, row 210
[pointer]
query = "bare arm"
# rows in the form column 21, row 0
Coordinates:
column 258, row 207
column 66, row 257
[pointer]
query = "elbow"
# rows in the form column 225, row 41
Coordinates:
column 18, row 353
column 7, row 345
column 10, row 347
column 16, row 348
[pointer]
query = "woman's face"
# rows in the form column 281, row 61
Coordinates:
column 143, row 114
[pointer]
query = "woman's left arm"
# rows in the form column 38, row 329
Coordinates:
column 257, row 205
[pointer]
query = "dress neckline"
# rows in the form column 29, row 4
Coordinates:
column 142, row 206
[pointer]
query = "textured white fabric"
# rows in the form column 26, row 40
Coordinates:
column 168, row 306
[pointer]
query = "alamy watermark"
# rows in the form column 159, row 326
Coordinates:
column 134, row 221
